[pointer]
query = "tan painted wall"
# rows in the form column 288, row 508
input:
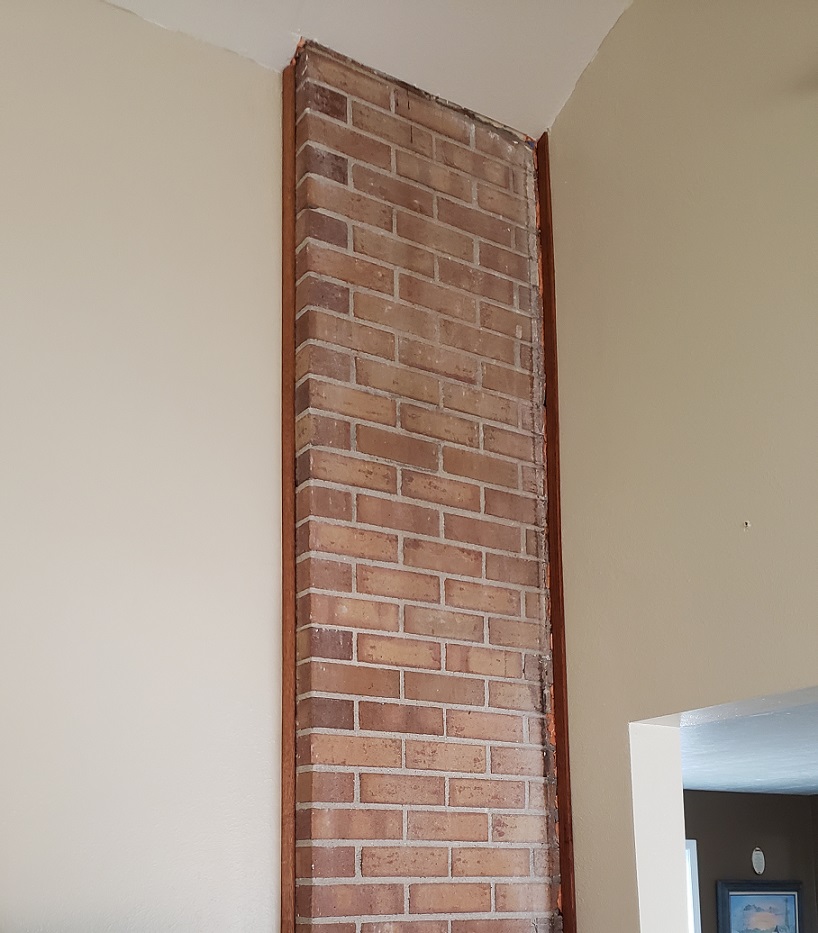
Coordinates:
column 139, row 496
column 685, row 192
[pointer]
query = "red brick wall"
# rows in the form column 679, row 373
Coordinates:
column 425, row 786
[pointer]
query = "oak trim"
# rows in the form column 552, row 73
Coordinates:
column 288, row 552
column 554, row 534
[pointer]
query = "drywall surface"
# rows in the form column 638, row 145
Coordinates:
column 727, row 827
column 685, row 195
column 139, row 496
column 514, row 62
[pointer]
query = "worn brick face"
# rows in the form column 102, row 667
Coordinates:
column 425, row 783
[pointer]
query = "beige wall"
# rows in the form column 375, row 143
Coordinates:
column 686, row 214
column 139, row 495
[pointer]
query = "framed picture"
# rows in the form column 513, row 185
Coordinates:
column 759, row 906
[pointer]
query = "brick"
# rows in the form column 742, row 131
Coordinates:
column 448, row 363
column 499, row 926
column 482, row 794
column 351, row 679
column 471, row 724
column 315, row 642
column 398, row 515
column 515, row 761
column 314, row 360
column 501, row 202
column 523, row 509
column 336, row 468
column 317, row 226
column 515, row 634
column 546, row 862
column 541, row 796
column 522, row 828
column 441, row 426
column 321, row 431
column 392, row 191
column 473, row 163
column 322, row 501
column 394, row 717
column 397, row 926
column 315, row 129
column 342, row 400
column 348, row 268
column 489, row 662
column 343, row 332
column 448, row 827
column 400, row 584
column 458, row 626
column 324, row 787
column 394, row 315
column 480, row 403
column 444, row 688
column 518, row 897
column 398, row 652
column 477, row 341
column 405, row 862
column 476, row 222
column 387, row 127
column 323, row 100
column 479, row 466
column 350, row 541
column 514, row 696
column 482, row 598
column 315, row 292
column 323, row 575
column 370, row 243
column 437, row 298
column 349, row 900
column 482, row 533
column 509, row 443
column 505, row 322
column 346, row 77
column 471, row 863
column 325, row 862
column 505, row 262
column 430, row 555
column 434, row 236
column 362, row 824
column 445, row 756
column 512, row 570
column 533, row 542
column 502, row 145
column 403, row 789
column 396, row 380
column 440, row 490
column 394, row 446
column 312, row 160
column 467, row 278
column 325, row 713
column 326, row 928
column 322, row 194
column 449, row 898
column 429, row 113
column 355, row 613
column 507, row 381
column 351, row 751
column 433, row 175
column 532, row 605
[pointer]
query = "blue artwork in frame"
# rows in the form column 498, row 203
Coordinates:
column 759, row 906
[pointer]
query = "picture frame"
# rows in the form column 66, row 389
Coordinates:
column 759, row 907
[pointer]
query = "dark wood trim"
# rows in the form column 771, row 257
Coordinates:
column 554, row 531
column 288, row 504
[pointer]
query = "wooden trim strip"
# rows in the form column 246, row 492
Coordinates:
column 554, row 531
column 288, row 504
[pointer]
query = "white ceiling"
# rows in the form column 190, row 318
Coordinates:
column 769, row 747
column 515, row 61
